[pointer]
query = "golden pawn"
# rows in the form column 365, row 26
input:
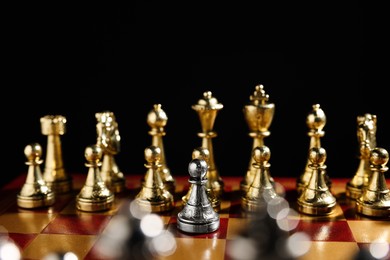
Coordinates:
column 207, row 109
column 375, row 199
column 34, row 193
column 366, row 133
column 108, row 138
column 316, row 198
column 153, row 197
column 204, row 154
column 315, row 121
column 157, row 120
column 54, row 173
column 94, row 195
column 258, row 114
column 261, row 190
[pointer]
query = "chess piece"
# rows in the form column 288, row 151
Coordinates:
column 94, row 195
column 54, row 173
column 315, row 197
column 258, row 115
column 203, row 153
column 261, row 190
column 34, row 193
column 108, row 139
column 366, row 133
column 153, row 195
column 207, row 109
column 157, row 119
column 375, row 198
column 315, row 121
column 198, row 216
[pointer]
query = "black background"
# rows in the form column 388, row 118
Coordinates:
column 76, row 60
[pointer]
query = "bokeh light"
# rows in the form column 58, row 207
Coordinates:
column 298, row 244
column 242, row 248
column 163, row 244
column 287, row 219
column 275, row 205
column 9, row 250
column 137, row 212
column 379, row 249
column 152, row 225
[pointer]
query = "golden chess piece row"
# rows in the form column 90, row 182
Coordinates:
column 313, row 185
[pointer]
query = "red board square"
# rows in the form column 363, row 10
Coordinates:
column 326, row 230
column 220, row 233
column 22, row 240
column 77, row 224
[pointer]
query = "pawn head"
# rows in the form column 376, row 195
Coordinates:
column 93, row 153
column 197, row 168
column 379, row 156
column 152, row 153
column 261, row 154
column 317, row 155
column 33, row 151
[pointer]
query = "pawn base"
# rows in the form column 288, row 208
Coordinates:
column 195, row 227
column 94, row 204
column 316, row 210
column 37, row 201
column 373, row 210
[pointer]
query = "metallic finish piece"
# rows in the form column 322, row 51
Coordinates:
column 153, row 196
column 207, row 109
column 375, row 199
column 54, row 173
column 258, row 114
column 366, row 133
column 261, row 190
column 204, row 154
column 316, row 121
column 34, row 193
column 94, row 195
column 157, row 120
column 316, row 198
column 108, row 139
column 198, row 216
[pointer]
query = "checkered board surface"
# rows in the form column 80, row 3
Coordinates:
column 63, row 228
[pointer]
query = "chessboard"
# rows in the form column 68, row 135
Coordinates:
column 38, row 233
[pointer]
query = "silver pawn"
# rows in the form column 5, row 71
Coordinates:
column 198, row 215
